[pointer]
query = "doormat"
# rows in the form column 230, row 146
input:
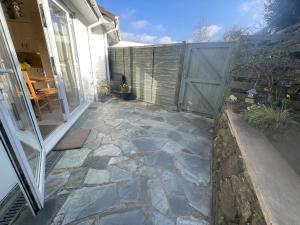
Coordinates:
column 47, row 129
column 73, row 140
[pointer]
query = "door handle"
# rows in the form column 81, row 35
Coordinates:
column 2, row 71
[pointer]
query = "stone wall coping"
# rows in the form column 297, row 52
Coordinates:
column 276, row 184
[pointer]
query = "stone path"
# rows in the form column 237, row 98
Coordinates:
column 141, row 165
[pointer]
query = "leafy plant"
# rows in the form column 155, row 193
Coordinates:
column 267, row 64
column 104, row 88
column 124, row 87
column 265, row 117
column 286, row 102
column 282, row 13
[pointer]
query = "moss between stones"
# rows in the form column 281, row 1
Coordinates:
column 235, row 202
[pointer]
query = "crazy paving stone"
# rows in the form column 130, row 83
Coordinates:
column 97, row 177
column 87, row 201
column 73, row 158
column 158, row 197
column 107, row 150
column 54, row 182
column 193, row 168
column 134, row 217
column 118, row 174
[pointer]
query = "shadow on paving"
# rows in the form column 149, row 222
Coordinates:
column 140, row 165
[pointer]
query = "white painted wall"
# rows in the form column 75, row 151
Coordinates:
column 99, row 55
column 84, row 57
column 8, row 178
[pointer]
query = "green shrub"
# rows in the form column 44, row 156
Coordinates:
column 264, row 117
column 124, row 87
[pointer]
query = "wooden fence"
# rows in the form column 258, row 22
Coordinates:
column 186, row 76
column 152, row 72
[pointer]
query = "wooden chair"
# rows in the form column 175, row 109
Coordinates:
column 46, row 90
column 40, row 99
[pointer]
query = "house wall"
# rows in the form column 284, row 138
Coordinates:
column 93, row 58
column 84, row 58
column 99, row 54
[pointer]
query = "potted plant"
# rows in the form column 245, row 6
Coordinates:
column 124, row 91
column 103, row 91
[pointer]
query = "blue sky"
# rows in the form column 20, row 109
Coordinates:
column 165, row 21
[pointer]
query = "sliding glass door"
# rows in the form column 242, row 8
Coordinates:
column 19, row 134
column 66, row 53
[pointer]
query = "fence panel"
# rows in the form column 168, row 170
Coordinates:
column 165, row 76
column 142, row 73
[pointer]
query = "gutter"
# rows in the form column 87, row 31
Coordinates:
column 93, row 4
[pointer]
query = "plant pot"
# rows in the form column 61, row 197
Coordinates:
column 126, row 95
column 102, row 98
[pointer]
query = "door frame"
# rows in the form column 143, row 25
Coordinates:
column 17, row 69
column 34, row 192
column 51, row 52
column 69, row 117
column 53, row 48
column 7, row 133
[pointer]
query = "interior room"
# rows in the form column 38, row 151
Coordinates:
column 29, row 41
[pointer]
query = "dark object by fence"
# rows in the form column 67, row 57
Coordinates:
column 126, row 95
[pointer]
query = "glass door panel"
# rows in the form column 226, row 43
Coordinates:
column 13, row 100
column 65, row 54
column 18, row 128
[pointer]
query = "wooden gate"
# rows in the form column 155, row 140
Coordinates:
column 204, row 76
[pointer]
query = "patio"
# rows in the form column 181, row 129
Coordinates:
column 141, row 164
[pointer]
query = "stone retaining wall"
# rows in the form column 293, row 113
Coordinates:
column 235, row 202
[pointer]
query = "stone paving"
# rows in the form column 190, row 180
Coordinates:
column 141, row 165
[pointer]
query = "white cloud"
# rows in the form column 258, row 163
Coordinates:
column 212, row 30
column 141, row 38
column 246, row 6
column 205, row 33
column 255, row 9
column 160, row 27
column 140, row 24
column 165, row 40
column 128, row 13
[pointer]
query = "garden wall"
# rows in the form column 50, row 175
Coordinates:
column 235, row 201
column 153, row 72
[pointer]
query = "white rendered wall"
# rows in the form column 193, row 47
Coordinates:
column 99, row 54
column 84, row 57
column 8, row 178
